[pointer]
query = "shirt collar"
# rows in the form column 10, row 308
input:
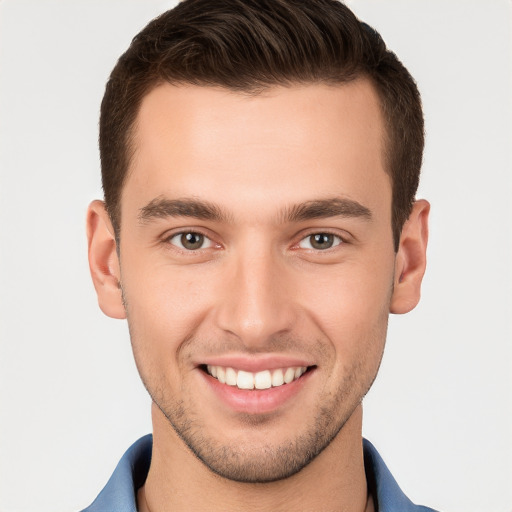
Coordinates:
column 131, row 472
column 385, row 490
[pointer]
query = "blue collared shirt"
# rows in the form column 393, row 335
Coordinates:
column 119, row 495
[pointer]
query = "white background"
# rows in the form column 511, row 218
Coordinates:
column 71, row 402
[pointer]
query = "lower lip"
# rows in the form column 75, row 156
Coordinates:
column 256, row 401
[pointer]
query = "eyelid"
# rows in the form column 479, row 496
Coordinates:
column 307, row 237
column 207, row 243
column 344, row 237
column 169, row 235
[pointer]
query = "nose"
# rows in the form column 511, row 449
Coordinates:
column 256, row 303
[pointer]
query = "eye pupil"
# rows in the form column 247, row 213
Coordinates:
column 321, row 240
column 192, row 240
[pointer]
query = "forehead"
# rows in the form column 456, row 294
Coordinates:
column 286, row 143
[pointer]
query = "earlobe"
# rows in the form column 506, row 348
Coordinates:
column 410, row 261
column 104, row 261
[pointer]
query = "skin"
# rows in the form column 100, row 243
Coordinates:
column 257, row 289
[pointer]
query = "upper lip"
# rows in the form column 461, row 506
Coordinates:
column 256, row 363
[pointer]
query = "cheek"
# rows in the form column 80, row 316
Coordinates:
column 164, row 308
column 351, row 307
column 352, row 292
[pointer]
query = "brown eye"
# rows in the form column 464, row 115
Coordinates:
column 320, row 241
column 190, row 241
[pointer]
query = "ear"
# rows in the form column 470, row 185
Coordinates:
column 411, row 259
column 104, row 261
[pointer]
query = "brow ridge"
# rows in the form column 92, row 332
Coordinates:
column 161, row 207
column 325, row 208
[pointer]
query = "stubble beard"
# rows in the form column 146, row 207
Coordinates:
column 242, row 461
column 265, row 463
column 245, row 462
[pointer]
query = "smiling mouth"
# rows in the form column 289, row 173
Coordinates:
column 265, row 379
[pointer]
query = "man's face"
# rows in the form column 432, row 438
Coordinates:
column 255, row 245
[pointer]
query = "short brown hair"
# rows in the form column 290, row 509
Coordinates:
column 248, row 46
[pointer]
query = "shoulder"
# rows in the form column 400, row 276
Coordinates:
column 384, row 488
column 130, row 474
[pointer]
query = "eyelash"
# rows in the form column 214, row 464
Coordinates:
column 339, row 240
column 183, row 249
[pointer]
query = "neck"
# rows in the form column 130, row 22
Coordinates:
column 178, row 481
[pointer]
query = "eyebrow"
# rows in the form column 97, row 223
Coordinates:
column 325, row 208
column 161, row 207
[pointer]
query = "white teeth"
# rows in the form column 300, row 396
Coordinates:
column 245, row 380
column 289, row 375
column 260, row 380
column 277, row 378
column 230, row 377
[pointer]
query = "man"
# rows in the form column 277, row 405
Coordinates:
column 259, row 163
